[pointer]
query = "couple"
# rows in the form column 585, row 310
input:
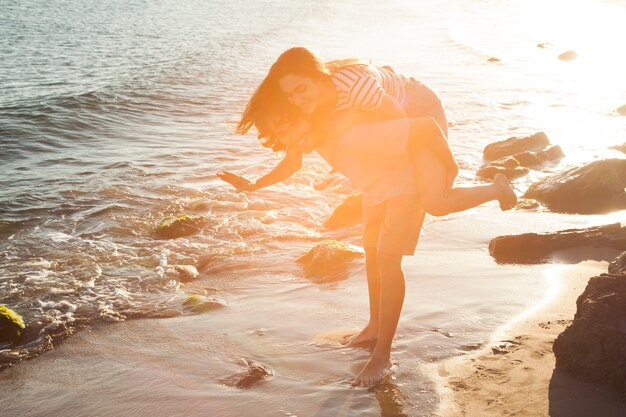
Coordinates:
column 388, row 135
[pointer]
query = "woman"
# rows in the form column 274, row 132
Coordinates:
column 402, row 166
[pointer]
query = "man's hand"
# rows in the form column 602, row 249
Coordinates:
column 237, row 181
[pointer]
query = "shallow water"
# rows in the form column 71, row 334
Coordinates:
column 114, row 117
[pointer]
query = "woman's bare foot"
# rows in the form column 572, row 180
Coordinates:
column 367, row 336
column 507, row 196
column 373, row 372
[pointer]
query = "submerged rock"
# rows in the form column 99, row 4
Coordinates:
column 172, row 227
column 186, row 273
column 618, row 264
column 11, row 325
column 200, row 304
column 493, row 59
column 329, row 260
column 596, row 188
column 531, row 248
column 526, row 204
column 593, row 347
column 348, row 213
column 254, row 373
column 622, row 110
column 515, row 145
column 568, row 56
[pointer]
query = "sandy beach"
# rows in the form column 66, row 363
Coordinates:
column 515, row 375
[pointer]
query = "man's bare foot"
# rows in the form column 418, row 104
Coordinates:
column 373, row 372
column 507, row 196
column 367, row 336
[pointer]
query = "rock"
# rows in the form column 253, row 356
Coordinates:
column 11, row 325
column 596, row 188
column 544, row 45
column 568, row 56
column 329, row 260
column 527, row 204
column 593, row 347
column 172, row 227
column 530, row 158
column 532, row 248
column 621, row 110
column 621, row 148
column 200, row 304
column 508, row 162
column 489, row 172
column 618, row 264
column 493, row 59
column 515, row 145
column 348, row 213
column 186, row 273
column 254, row 373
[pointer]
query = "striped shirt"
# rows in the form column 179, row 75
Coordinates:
column 363, row 87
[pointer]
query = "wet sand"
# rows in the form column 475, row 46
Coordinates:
column 515, row 375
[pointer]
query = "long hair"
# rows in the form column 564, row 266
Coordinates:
column 269, row 103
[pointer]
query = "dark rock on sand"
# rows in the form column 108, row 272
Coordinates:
column 596, row 188
column 11, row 325
column 622, row 110
column 568, row 56
column 200, row 304
column 254, row 373
column 618, row 264
column 593, row 347
column 534, row 158
column 489, row 172
column 531, row 248
column 515, row 145
column 348, row 213
column 329, row 260
column 172, row 227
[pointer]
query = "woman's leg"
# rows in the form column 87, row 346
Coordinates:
column 431, row 178
column 394, row 234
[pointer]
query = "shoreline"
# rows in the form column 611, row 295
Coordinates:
column 515, row 375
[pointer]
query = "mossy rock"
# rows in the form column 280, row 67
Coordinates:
column 172, row 227
column 329, row 260
column 11, row 325
column 200, row 304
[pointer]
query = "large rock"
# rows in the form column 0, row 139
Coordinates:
column 594, row 346
column 11, row 325
column 596, row 188
column 329, row 260
column 531, row 248
column 618, row 264
column 348, row 213
column 621, row 148
column 622, row 110
column 515, row 145
column 568, row 56
column 172, row 227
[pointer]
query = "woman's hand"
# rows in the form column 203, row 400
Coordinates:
column 237, row 181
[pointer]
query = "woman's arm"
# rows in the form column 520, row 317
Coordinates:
column 288, row 166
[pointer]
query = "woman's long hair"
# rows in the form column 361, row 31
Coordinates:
column 268, row 102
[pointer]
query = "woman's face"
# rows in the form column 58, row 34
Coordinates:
column 293, row 133
column 302, row 92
